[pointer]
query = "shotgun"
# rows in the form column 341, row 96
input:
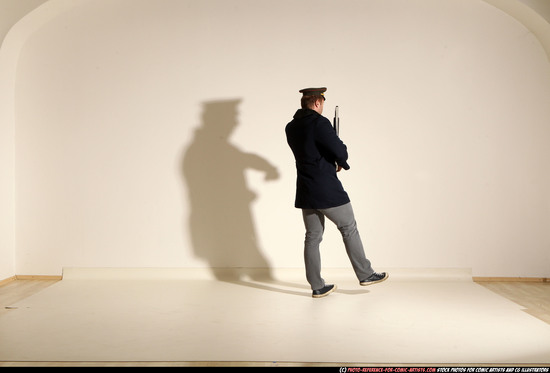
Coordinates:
column 336, row 123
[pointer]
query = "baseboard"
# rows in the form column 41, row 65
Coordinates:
column 511, row 279
column 330, row 274
column 38, row 277
column 7, row 280
column 30, row 277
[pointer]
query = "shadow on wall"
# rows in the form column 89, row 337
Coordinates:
column 220, row 221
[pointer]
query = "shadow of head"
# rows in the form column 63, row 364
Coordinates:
column 219, row 118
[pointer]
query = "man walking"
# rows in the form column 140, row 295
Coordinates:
column 319, row 155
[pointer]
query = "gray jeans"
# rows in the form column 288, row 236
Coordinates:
column 343, row 218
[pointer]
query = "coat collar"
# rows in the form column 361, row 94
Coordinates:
column 301, row 113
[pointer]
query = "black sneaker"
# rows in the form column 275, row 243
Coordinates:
column 324, row 291
column 374, row 279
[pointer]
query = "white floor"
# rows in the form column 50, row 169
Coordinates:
column 444, row 318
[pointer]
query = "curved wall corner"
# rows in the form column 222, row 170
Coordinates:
column 19, row 25
column 530, row 16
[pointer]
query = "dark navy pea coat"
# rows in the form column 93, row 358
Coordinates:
column 317, row 149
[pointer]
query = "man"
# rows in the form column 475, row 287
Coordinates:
column 319, row 155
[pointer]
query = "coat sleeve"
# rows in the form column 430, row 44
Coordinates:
column 334, row 149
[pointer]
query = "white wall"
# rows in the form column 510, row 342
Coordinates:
column 144, row 130
column 10, row 13
column 7, row 180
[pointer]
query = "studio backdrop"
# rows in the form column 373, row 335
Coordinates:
column 151, row 133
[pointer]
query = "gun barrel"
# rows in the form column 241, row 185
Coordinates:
column 336, row 123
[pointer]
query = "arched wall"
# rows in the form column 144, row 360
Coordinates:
column 144, row 132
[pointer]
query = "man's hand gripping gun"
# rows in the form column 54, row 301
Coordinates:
column 336, row 125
